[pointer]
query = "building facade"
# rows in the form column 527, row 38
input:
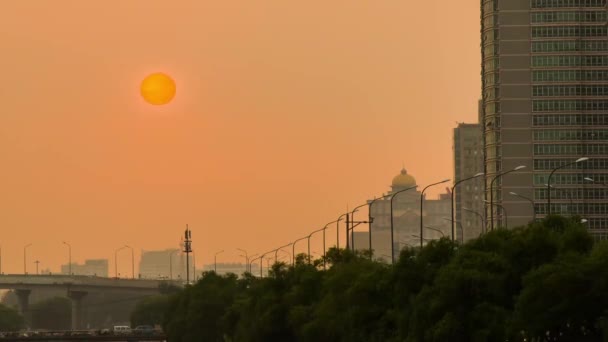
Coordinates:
column 405, row 219
column 164, row 264
column 469, row 195
column 545, row 104
column 92, row 267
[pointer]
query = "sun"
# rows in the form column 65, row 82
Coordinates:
column 158, row 89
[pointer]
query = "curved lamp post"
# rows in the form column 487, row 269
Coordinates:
column 309, row 236
column 116, row 260
column 338, row 230
column 276, row 251
column 324, row 229
column 453, row 188
column 421, row 209
column 215, row 260
column 529, row 200
column 69, row 257
column 293, row 249
column 492, row 191
column 503, row 209
column 370, row 219
column 435, row 229
column 579, row 160
column 132, row 261
column 483, row 221
column 25, row 258
column 393, row 222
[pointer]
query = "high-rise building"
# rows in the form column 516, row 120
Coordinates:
column 94, row 267
column 545, row 104
column 165, row 264
column 468, row 195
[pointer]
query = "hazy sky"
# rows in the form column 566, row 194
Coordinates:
column 286, row 111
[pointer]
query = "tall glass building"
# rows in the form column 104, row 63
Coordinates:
column 545, row 104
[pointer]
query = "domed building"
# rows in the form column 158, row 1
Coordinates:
column 406, row 218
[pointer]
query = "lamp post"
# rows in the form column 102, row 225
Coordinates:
column 453, row 188
column 293, row 249
column 352, row 230
column 420, row 237
column 503, row 209
column 25, row 258
column 421, row 208
column 492, row 191
column 393, row 223
column 370, row 219
column 594, row 182
column 246, row 256
column 248, row 267
column 37, row 262
column 132, row 261
column 459, row 223
column 338, row 230
column 483, row 221
column 529, row 200
column 116, row 260
column 435, row 229
column 579, row 160
column 215, row 260
column 324, row 255
column 309, row 236
column 69, row 257
column 276, row 251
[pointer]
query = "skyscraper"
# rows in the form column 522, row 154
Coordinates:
column 468, row 161
column 545, row 104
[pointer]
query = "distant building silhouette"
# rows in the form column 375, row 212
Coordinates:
column 163, row 264
column 91, row 267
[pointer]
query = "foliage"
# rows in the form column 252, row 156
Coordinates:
column 10, row 319
column 150, row 311
column 52, row 314
column 546, row 280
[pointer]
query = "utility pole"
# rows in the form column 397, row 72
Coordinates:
column 37, row 262
column 187, row 250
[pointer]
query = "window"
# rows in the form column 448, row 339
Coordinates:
column 574, row 134
column 570, row 149
column 570, row 90
column 568, row 16
column 569, row 75
column 569, row 178
column 569, row 105
column 567, row 3
column 567, row 61
column 569, row 46
column 570, row 120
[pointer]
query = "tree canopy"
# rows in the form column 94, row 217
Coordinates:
column 545, row 281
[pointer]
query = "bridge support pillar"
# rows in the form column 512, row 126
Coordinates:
column 76, row 297
column 23, row 298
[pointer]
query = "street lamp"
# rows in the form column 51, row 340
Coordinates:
column 338, row 230
column 435, row 229
column 453, row 188
column 25, row 258
column 421, row 208
column 579, row 160
column 594, row 182
column 392, row 222
column 529, row 200
column 132, row 261
column 309, row 236
column 215, row 260
column 352, row 230
column 69, row 257
column 492, row 191
column 483, row 221
column 503, row 209
column 276, row 251
column 459, row 223
column 246, row 256
column 293, row 249
column 370, row 219
column 116, row 260
column 324, row 256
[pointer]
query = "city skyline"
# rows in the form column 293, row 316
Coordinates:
column 264, row 127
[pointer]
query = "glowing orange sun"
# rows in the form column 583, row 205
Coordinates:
column 158, row 89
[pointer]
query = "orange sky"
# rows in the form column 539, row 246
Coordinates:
column 285, row 112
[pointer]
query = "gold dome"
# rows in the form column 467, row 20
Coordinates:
column 403, row 180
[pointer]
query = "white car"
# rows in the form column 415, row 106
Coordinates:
column 121, row 330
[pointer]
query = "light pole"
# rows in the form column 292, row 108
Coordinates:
column 37, row 262
column 529, row 200
column 492, row 191
column 393, row 223
column 421, row 208
column 69, row 257
column 594, row 182
column 25, row 258
column 324, row 256
column 309, row 236
column 116, row 260
column 293, row 249
column 246, row 256
column 460, row 224
column 249, row 262
column 370, row 219
column 503, row 209
column 435, row 229
column 579, row 160
column 453, row 188
column 338, row 230
column 132, row 261
column 483, row 221
column 352, row 230
column 215, row 260
column 276, row 251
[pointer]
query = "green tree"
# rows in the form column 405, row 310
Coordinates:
column 10, row 319
column 150, row 311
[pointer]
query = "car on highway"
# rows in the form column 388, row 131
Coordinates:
column 121, row 330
